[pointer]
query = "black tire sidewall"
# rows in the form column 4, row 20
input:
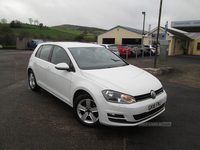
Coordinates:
column 36, row 87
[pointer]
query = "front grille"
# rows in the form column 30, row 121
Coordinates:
column 140, row 117
column 148, row 95
column 146, row 115
column 159, row 91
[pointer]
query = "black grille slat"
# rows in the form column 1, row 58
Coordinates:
column 159, row 91
column 148, row 95
column 141, row 97
column 115, row 115
column 148, row 114
column 139, row 117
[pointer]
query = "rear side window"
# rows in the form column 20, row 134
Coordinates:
column 38, row 52
column 44, row 52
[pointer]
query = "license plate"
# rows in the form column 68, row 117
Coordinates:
column 154, row 106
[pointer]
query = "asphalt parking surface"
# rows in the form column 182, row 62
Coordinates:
column 30, row 120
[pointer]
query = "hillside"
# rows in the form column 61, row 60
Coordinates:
column 60, row 32
column 79, row 28
column 37, row 31
column 55, row 33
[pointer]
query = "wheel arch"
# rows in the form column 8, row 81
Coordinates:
column 29, row 69
column 78, row 93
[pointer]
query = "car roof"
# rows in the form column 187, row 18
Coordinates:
column 72, row 44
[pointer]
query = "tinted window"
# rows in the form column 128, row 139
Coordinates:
column 113, row 47
column 59, row 55
column 38, row 52
column 45, row 51
column 123, row 46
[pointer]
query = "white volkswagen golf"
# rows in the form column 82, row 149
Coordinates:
column 99, row 85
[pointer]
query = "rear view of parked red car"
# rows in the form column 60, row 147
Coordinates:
column 123, row 50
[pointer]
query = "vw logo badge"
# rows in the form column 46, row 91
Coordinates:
column 153, row 94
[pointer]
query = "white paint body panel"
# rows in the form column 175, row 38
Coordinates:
column 126, row 79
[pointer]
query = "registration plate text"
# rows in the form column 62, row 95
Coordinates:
column 154, row 106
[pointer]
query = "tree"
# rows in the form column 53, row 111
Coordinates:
column 4, row 29
column 31, row 20
column 12, row 24
column 18, row 23
column 6, row 35
column 79, row 38
column 85, row 33
column 3, row 20
column 41, row 25
column 15, row 24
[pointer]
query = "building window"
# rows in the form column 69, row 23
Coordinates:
column 198, row 46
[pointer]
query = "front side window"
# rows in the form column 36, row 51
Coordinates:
column 96, row 58
column 59, row 56
column 44, row 52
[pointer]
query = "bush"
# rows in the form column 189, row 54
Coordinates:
column 8, row 47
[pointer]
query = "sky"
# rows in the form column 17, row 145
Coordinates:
column 104, row 14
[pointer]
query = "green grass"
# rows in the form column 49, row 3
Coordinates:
column 53, row 32
column 8, row 47
column 73, row 32
column 45, row 31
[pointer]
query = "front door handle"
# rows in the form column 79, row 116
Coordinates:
column 48, row 68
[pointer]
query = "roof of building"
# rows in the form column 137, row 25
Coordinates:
column 178, row 34
column 193, row 35
column 127, row 28
column 173, row 33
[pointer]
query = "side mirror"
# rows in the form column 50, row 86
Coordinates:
column 62, row 66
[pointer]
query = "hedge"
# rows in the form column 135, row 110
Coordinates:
column 8, row 47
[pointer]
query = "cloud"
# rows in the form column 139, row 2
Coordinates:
column 104, row 14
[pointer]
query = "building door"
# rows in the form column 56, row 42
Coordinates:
column 108, row 40
column 131, row 41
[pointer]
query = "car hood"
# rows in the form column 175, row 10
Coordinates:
column 127, row 79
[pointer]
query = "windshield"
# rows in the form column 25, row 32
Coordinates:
column 112, row 47
column 96, row 58
column 38, row 41
column 123, row 46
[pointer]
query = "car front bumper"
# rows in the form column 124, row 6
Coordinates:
column 114, row 114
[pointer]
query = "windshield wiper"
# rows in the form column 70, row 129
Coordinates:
column 115, row 60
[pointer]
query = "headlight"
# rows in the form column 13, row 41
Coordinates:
column 117, row 97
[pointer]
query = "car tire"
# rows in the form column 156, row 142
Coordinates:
column 32, row 81
column 85, row 110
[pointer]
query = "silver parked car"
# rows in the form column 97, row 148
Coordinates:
column 112, row 48
column 134, row 50
column 153, row 49
column 144, row 49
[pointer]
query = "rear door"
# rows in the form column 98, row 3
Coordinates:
column 40, row 64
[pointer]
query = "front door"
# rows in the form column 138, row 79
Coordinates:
column 59, row 81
